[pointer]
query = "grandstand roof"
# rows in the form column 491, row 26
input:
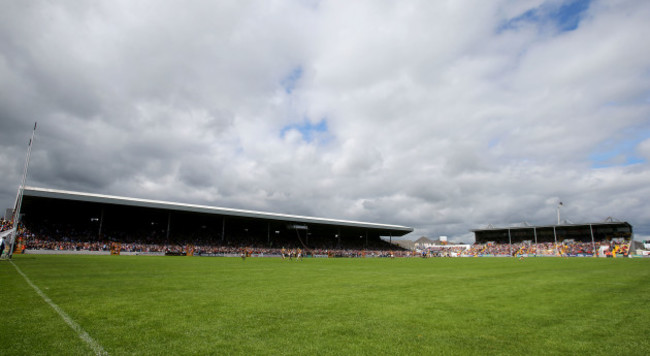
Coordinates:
column 34, row 192
column 608, row 222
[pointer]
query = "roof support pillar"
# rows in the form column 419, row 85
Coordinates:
column 338, row 237
column 366, row 239
column 593, row 241
column 101, row 222
column 223, row 228
column 169, row 224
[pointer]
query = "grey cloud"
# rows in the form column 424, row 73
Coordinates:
column 435, row 119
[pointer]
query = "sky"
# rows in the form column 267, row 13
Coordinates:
column 444, row 116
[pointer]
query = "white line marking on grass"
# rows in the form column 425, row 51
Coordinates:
column 83, row 335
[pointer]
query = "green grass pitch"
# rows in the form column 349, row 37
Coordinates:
column 135, row 305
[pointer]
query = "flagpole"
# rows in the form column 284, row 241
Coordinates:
column 19, row 198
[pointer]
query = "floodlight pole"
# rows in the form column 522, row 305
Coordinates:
column 19, row 199
column 555, row 238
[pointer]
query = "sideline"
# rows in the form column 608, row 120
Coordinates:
column 83, row 335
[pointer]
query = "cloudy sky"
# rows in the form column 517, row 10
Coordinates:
column 440, row 115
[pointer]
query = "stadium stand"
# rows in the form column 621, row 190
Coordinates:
column 64, row 220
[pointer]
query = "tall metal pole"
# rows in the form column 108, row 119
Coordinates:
column 19, row 200
column 558, row 223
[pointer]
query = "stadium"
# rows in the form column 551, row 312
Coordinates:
column 68, row 292
column 296, row 148
column 110, row 275
column 83, row 222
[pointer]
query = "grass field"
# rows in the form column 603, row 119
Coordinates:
column 134, row 305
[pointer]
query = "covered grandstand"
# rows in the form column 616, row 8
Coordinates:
column 598, row 231
column 116, row 218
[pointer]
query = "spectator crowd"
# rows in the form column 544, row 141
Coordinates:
column 5, row 225
column 68, row 238
column 564, row 248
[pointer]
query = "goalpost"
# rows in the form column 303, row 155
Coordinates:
column 19, row 197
